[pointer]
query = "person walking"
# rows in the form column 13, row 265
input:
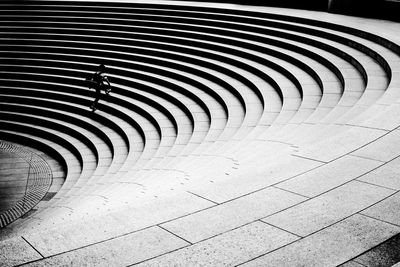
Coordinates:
column 99, row 81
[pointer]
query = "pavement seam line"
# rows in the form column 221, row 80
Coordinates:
column 361, row 181
column 299, row 236
column 283, row 189
column 197, row 195
column 362, row 214
column 365, row 127
column 172, row 233
column 41, row 255
column 362, row 157
column 331, row 225
column 298, row 156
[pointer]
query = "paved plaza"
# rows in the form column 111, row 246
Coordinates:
column 234, row 135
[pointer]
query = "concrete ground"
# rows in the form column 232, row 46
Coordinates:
column 312, row 188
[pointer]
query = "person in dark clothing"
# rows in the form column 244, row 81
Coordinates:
column 99, row 81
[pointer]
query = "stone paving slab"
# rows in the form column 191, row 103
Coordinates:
column 124, row 221
column 352, row 264
column 386, row 254
column 329, row 176
column 386, row 175
column 73, row 236
column 16, row 251
column 238, row 186
column 385, row 148
column 317, row 213
column 232, row 214
column 343, row 143
column 228, row 249
column 386, row 118
column 331, row 246
column 121, row 251
column 387, row 210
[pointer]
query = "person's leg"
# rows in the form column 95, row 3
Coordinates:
column 97, row 98
column 106, row 88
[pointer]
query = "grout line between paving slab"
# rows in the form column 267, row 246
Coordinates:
column 362, row 126
column 112, row 239
column 358, row 212
column 342, row 156
column 350, row 152
column 298, row 156
column 227, row 231
column 298, row 203
column 383, row 199
column 277, row 187
column 362, row 157
column 162, row 254
column 216, row 203
column 364, row 252
column 360, row 255
column 85, row 246
column 300, row 237
column 333, row 188
column 277, row 141
column 381, row 186
column 33, row 247
column 172, row 233
column 387, row 132
column 339, row 221
column 374, row 247
column 262, row 255
column 211, row 237
column 353, row 260
column 380, row 166
column 397, row 225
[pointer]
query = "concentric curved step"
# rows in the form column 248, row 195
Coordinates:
column 233, row 135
